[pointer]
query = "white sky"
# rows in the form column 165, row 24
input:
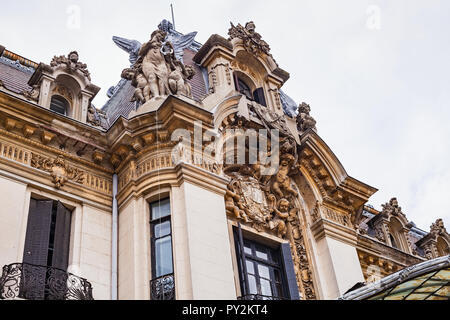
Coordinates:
column 376, row 73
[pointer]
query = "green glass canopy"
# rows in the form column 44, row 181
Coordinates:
column 429, row 280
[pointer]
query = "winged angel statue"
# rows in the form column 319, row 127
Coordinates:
column 156, row 66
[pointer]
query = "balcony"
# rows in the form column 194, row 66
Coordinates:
column 163, row 288
column 259, row 297
column 32, row 282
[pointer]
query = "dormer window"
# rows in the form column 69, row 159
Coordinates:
column 246, row 89
column 59, row 105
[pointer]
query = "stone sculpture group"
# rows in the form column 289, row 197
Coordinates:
column 157, row 72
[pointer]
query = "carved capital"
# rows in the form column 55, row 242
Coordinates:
column 10, row 124
column 123, row 151
column 47, row 137
column 98, row 156
column 137, row 144
column 115, row 160
column 149, row 138
column 28, row 130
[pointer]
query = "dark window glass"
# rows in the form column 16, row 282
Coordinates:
column 264, row 271
column 259, row 97
column 244, row 89
column 162, row 263
column 394, row 244
column 160, row 209
column 59, row 104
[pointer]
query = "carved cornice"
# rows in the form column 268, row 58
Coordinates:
column 53, row 150
column 214, row 41
column 328, row 228
column 59, row 168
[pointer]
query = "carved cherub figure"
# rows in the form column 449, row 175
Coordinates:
column 304, row 120
column 178, row 79
column 142, row 92
column 281, row 214
column 233, row 202
column 282, row 179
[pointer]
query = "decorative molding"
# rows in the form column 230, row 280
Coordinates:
column 252, row 40
column 47, row 136
column 59, row 169
column 71, row 63
column 270, row 203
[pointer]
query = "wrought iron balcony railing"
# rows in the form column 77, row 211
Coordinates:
column 163, row 288
column 259, row 297
column 32, row 282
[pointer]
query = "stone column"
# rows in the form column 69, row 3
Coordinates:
column 202, row 253
column 337, row 260
column 84, row 104
column 44, row 95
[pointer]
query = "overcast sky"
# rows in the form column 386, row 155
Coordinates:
column 376, row 73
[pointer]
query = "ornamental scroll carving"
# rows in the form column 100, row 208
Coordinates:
column 157, row 72
column 32, row 94
column 271, row 203
column 252, row 40
column 72, row 64
column 58, row 168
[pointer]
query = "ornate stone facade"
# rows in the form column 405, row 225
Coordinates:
column 166, row 132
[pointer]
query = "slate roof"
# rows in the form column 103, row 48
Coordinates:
column 16, row 71
column 14, row 75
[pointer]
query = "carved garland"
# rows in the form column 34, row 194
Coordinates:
column 60, row 171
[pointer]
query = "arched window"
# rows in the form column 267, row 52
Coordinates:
column 60, row 105
column 442, row 247
column 244, row 89
column 393, row 243
column 242, row 85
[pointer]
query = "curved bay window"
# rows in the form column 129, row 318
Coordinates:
column 59, row 105
column 163, row 283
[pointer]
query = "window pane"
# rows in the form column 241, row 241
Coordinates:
column 266, row 289
column 279, row 290
column 263, row 271
column 160, row 209
column 58, row 105
column 247, row 248
column 162, row 229
column 250, row 267
column 252, row 285
column 163, row 256
column 261, row 254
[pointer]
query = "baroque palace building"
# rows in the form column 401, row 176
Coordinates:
column 159, row 195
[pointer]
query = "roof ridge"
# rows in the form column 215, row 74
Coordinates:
column 16, row 57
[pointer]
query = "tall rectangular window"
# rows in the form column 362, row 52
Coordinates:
column 162, row 284
column 46, row 251
column 265, row 273
column 48, row 234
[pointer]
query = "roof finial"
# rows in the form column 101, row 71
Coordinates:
column 173, row 19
